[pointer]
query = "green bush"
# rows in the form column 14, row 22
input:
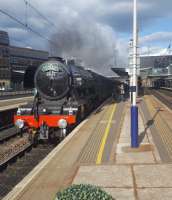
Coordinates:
column 83, row 192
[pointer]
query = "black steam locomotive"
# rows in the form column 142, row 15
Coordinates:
column 64, row 94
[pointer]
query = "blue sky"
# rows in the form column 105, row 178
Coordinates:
column 162, row 26
column 90, row 29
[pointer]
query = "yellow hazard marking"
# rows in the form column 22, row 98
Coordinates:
column 103, row 142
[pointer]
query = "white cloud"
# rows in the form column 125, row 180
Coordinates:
column 153, row 50
column 102, row 19
column 157, row 37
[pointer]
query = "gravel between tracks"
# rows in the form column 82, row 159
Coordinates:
column 11, row 148
column 14, row 173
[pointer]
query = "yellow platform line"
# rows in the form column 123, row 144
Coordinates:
column 103, row 142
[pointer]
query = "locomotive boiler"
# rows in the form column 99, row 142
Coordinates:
column 64, row 94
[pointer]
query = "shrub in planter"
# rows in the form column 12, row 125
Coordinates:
column 83, row 192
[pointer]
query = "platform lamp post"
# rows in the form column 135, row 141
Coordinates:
column 134, row 108
column 130, row 66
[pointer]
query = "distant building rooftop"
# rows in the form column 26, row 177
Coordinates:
column 4, row 38
column 120, row 72
column 27, row 52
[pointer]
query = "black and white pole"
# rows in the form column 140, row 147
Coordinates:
column 134, row 108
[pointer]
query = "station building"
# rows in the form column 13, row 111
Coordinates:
column 20, row 60
column 15, row 60
column 153, row 68
column 156, row 65
column 5, row 69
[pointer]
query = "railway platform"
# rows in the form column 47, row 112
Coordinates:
column 8, row 104
column 98, row 152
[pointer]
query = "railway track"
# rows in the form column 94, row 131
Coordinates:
column 12, row 148
column 7, row 128
column 8, row 132
column 17, row 158
column 14, row 173
column 164, row 96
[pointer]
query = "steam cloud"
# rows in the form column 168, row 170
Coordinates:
column 93, row 43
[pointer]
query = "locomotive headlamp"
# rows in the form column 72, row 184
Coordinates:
column 44, row 110
column 62, row 123
column 19, row 123
column 18, row 111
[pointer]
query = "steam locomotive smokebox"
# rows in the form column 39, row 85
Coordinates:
column 52, row 80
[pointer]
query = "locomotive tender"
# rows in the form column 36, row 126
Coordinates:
column 65, row 94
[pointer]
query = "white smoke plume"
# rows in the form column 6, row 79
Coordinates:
column 95, row 44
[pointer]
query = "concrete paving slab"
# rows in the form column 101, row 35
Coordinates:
column 128, row 140
column 153, row 175
column 120, row 193
column 125, row 132
column 135, row 158
column 126, row 148
column 155, row 151
column 125, row 140
column 120, row 146
column 105, row 176
column 155, row 194
column 146, row 153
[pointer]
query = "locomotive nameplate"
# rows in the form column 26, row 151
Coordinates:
column 132, row 89
column 51, row 67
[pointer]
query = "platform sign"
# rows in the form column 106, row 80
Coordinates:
column 132, row 89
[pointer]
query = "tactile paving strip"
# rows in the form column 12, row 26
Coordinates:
column 90, row 151
column 109, row 151
column 163, row 130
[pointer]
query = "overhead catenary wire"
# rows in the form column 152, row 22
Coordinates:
column 26, row 26
column 39, row 13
